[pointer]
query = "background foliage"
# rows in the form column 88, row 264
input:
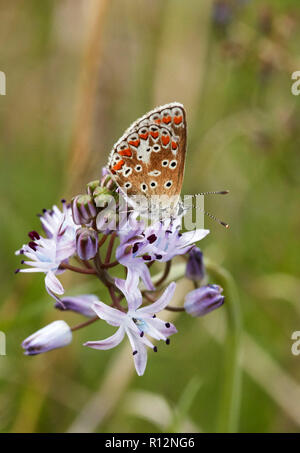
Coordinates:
column 78, row 73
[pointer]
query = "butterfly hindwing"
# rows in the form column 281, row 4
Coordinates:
column 149, row 158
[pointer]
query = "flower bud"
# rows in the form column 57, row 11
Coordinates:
column 80, row 304
column 91, row 186
column 102, row 196
column 195, row 269
column 86, row 243
column 203, row 300
column 83, row 209
column 55, row 335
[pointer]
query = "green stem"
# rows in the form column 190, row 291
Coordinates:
column 229, row 410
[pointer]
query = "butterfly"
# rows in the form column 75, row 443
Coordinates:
column 149, row 158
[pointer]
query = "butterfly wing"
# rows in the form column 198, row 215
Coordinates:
column 149, row 158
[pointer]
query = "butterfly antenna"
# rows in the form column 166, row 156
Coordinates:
column 224, row 224
column 219, row 192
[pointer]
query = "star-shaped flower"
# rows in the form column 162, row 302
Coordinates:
column 47, row 254
column 137, row 323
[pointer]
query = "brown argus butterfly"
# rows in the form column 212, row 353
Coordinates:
column 149, row 158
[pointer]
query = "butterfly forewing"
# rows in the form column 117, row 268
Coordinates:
column 149, row 158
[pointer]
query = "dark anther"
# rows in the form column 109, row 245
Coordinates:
column 134, row 352
column 152, row 238
column 147, row 258
column 159, row 257
column 16, row 271
column 135, row 247
column 155, row 349
column 141, row 334
column 32, row 245
column 167, row 341
column 21, row 252
column 168, row 231
column 34, row 235
column 63, row 200
column 44, row 210
column 167, row 325
column 23, row 261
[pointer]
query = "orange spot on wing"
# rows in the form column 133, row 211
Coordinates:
column 118, row 166
column 125, row 152
column 144, row 136
column 165, row 139
column 157, row 121
column 166, row 119
column 174, row 145
column 177, row 119
column 134, row 142
column 154, row 134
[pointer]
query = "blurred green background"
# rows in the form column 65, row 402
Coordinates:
column 78, row 73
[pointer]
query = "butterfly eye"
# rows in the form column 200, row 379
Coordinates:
column 165, row 163
column 138, row 168
column 173, row 164
column 168, row 184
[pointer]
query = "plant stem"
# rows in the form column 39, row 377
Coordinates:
column 84, row 324
column 170, row 308
column 78, row 269
column 229, row 410
column 165, row 274
column 110, row 248
column 102, row 240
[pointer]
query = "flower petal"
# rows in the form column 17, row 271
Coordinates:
column 161, row 326
column 140, row 353
column 111, row 315
column 190, row 237
column 161, row 303
column 53, row 284
column 108, row 343
column 129, row 288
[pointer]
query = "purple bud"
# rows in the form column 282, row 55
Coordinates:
column 195, row 267
column 83, row 209
column 203, row 300
column 86, row 243
column 55, row 335
column 80, row 304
